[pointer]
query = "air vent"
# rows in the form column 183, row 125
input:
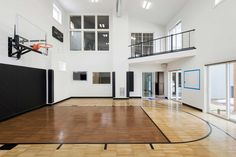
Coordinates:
column 122, row 92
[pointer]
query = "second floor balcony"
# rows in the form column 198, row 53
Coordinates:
column 173, row 43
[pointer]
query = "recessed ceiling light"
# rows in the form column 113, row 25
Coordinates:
column 94, row 1
column 147, row 4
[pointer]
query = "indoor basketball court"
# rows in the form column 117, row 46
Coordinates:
column 117, row 78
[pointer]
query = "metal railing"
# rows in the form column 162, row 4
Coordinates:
column 168, row 44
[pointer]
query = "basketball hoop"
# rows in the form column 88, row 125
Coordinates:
column 38, row 46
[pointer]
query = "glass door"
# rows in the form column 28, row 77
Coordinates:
column 217, row 87
column 147, row 85
column 179, row 73
column 176, row 85
column 173, row 85
column 222, row 90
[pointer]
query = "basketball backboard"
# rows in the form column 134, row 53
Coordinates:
column 29, row 33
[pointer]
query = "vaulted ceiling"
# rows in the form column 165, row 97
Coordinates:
column 160, row 12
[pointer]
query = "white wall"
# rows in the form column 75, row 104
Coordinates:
column 90, row 62
column 214, row 39
column 141, row 26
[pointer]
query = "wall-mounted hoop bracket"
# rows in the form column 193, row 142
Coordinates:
column 17, row 44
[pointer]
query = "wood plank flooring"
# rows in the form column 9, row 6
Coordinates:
column 171, row 117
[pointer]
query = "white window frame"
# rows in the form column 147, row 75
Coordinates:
column 96, row 30
column 57, row 13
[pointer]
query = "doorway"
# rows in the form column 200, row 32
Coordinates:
column 147, row 84
column 159, row 84
column 176, row 85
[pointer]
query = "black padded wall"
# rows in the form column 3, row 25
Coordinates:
column 113, row 84
column 21, row 89
column 129, row 82
column 50, row 86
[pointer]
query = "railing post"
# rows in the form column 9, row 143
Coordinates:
column 171, row 42
column 189, row 39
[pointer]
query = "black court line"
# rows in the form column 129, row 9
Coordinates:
column 105, row 146
column 151, row 146
column 202, row 138
column 156, row 126
column 59, row 146
column 182, row 142
column 8, row 146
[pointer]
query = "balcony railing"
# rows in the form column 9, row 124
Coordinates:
column 168, row 44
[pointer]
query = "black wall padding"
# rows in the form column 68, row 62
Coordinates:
column 113, row 84
column 129, row 82
column 21, row 89
column 50, row 86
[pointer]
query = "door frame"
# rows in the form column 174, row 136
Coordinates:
column 170, row 74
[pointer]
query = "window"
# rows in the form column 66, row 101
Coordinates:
column 57, row 15
column 103, row 22
column 75, row 41
column 101, row 78
column 142, row 49
column 75, row 22
column 148, row 43
column 89, row 22
column 89, row 41
column 103, row 41
column 80, row 76
column 89, row 33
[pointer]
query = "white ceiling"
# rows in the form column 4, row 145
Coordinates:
column 85, row 6
column 161, row 11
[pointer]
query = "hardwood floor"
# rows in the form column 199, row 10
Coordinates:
column 191, row 132
column 82, row 125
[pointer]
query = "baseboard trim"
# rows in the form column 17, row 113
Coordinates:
column 135, row 97
column 98, row 97
column 59, row 101
column 192, row 107
column 120, row 98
